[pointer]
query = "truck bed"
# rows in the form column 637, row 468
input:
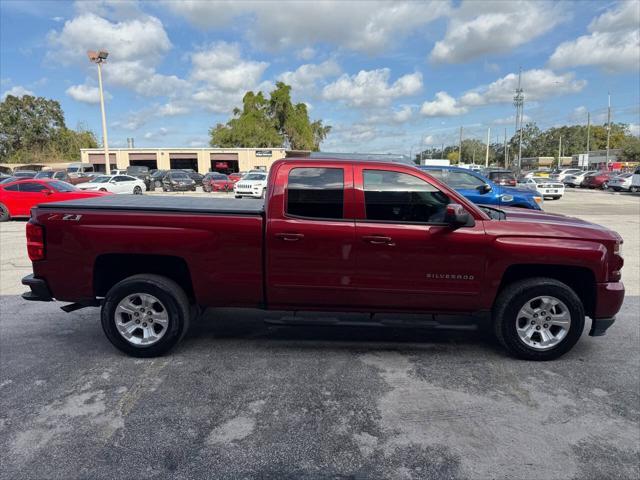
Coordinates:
column 165, row 204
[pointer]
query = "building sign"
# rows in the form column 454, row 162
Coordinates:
column 263, row 153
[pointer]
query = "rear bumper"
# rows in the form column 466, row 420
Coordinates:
column 39, row 289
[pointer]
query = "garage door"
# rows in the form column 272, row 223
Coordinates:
column 224, row 162
column 144, row 160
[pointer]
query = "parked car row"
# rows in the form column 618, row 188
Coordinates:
column 19, row 196
column 115, row 184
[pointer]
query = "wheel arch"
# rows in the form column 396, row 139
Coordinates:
column 581, row 280
column 110, row 269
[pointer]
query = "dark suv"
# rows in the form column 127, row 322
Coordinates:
column 142, row 173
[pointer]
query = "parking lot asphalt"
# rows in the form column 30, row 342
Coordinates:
column 242, row 399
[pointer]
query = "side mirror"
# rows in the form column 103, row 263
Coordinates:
column 456, row 216
column 484, row 188
column 112, row 181
column 46, row 191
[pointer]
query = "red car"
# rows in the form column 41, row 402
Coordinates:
column 235, row 177
column 19, row 196
column 216, row 182
column 331, row 236
column 597, row 180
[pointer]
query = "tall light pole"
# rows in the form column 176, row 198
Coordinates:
column 608, row 128
column 99, row 58
column 518, row 102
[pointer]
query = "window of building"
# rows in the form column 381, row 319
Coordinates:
column 316, row 192
column 400, row 197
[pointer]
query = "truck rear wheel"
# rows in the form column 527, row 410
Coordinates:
column 145, row 315
column 538, row 318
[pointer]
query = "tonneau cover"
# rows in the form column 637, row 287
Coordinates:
column 165, row 203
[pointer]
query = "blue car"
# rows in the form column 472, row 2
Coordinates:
column 481, row 190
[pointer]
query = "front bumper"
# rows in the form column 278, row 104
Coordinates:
column 39, row 289
column 599, row 326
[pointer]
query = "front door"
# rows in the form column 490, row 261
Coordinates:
column 310, row 237
column 407, row 258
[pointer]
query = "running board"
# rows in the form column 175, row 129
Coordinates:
column 72, row 307
column 308, row 319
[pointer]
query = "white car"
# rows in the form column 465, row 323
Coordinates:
column 562, row 174
column 635, row 181
column 546, row 187
column 576, row 179
column 114, row 184
column 621, row 182
column 253, row 184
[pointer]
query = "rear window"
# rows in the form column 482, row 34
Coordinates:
column 62, row 186
column 316, row 192
column 44, row 175
column 501, row 176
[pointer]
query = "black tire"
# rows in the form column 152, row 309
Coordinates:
column 514, row 296
column 556, row 197
column 605, row 185
column 193, row 189
column 137, row 190
column 4, row 213
column 173, row 299
column 102, row 190
column 634, row 189
column 158, row 184
column 238, row 196
column 264, row 193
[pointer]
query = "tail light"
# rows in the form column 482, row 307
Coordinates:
column 35, row 241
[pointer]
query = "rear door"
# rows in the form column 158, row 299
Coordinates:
column 310, row 236
column 407, row 258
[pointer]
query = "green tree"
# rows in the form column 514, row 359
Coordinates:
column 33, row 130
column 631, row 149
column 275, row 122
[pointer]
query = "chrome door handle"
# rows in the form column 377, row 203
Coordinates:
column 290, row 237
column 378, row 240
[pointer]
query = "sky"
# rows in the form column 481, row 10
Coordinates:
column 388, row 76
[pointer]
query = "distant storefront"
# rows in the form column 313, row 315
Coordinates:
column 202, row 160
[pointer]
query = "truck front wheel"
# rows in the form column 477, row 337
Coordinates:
column 145, row 315
column 538, row 318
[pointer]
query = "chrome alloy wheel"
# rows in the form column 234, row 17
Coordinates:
column 543, row 322
column 141, row 319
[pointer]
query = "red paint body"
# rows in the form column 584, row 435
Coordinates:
column 235, row 177
column 19, row 204
column 280, row 262
column 597, row 180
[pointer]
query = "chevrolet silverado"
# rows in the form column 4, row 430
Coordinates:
column 331, row 236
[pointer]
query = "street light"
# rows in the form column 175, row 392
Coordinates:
column 99, row 58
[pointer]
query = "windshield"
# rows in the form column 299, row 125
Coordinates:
column 255, row 176
column 23, row 174
column 62, row 186
column 73, row 169
column 44, row 175
column 101, row 179
column 179, row 175
column 501, row 176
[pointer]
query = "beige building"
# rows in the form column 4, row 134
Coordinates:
column 202, row 160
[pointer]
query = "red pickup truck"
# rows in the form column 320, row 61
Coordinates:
column 331, row 235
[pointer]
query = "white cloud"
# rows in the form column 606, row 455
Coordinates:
column 161, row 132
column 613, row 44
column 387, row 116
column 135, row 45
column 372, row 88
column 368, row 26
column 444, row 105
column 172, row 109
column 306, row 53
column 634, row 129
column 17, row 91
column 222, row 76
column 510, row 120
column 537, row 84
column 306, row 76
column 428, row 140
column 483, row 28
column 85, row 93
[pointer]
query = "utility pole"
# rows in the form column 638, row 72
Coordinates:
column 460, row 147
column 505, row 148
column 486, row 155
column 559, row 151
column 518, row 102
column 588, row 135
column 608, row 128
column 442, row 151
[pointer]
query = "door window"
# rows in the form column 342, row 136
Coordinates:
column 32, row 187
column 316, row 192
column 12, row 188
column 403, row 198
column 122, row 178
